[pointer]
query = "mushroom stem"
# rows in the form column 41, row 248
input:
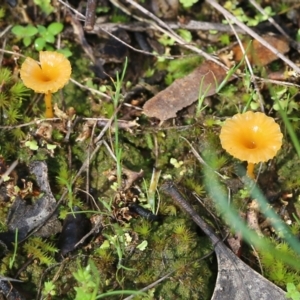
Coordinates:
column 250, row 170
column 48, row 103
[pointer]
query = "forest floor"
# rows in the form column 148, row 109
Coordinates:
column 101, row 194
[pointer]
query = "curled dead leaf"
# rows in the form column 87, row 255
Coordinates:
column 59, row 113
column 44, row 130
column 204, row 80
column 259, row 54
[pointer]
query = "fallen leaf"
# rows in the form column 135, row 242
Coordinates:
column 26, row 217
column 235, row 280
column 257, row 53
column 204, row 80
column 75, row 227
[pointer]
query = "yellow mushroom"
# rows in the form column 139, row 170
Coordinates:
column 251, row 137
column 53, row 72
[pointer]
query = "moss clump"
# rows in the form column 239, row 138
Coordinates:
column 172, row 246
column 278, row 271
column 12, row 109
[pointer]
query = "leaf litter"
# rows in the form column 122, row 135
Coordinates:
column 205, row 79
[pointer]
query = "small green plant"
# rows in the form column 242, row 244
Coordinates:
column 298, row 36
column 2, row 13
column 49, row 290
column 186, row 35
column 178, row 68
column 25, row 33
column 188, row 3
column 239, row 13
column 276, row 270
column 284, row 98
column 69, row 188
column 116, row 100
column 45, row 6
column 42, row 37
column 166, row 40
column 12, row 259
column 119, row 18
column 119, row 242
column 88, row 282
column 41, row 250
column 12, row 95
column 292, row 292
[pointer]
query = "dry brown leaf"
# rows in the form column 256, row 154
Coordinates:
column 235, row 280
column 205, row 79
column 258, row 54
column 183, row 92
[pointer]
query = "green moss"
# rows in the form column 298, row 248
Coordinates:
column 12, row 105
column 276, row 270
column 171, row 246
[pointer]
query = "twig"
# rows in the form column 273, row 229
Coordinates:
column 133, row 48
column 9, row 170
column 90, row 15
column 205, row 26
column 87, row 183
column 248, row 30
column 261, row 101
column 90, row 89
column 108, row 124
column 79, row 32
column 153, row 284
column 4, row 278
column 82, row 17
column 201, row 160
column 110, row 151
column 270, row 19
column 191, row 25
column 170, row 189
column 54, row 279
column 12, row 52
column 2, row 54
column 151, row 16
column 164, row 28
column 35, row 122
column 94, row 229
column 3, row 32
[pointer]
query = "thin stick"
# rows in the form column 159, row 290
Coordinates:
column 270, row 19
column 13, row 53
column 35, row 122
column 153, row 284
column 90, row 15
column 201, row 160
column 8, row 171
column 90, row 89
column 261, row 101
column 191, row 25
column 164, row 28
column 133, row 48
column 108, row 124
column 170, row 189
column 5, row 30
column 72, row 9
column 221, row 9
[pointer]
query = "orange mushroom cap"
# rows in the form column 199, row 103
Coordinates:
column 251, row 137
column 53, row 72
